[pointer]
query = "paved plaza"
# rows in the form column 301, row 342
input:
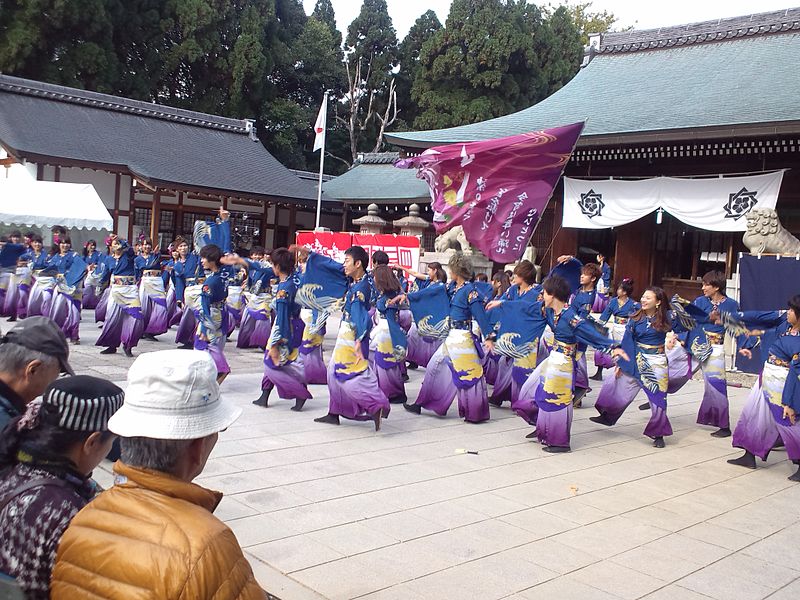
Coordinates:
column 435, row 508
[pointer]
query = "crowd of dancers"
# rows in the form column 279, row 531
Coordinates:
column 481, row 342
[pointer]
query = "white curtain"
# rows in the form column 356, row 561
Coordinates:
column 717, row 204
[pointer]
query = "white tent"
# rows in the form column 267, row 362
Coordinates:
column 48, row 203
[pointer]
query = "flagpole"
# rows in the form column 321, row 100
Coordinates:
column 321, row 164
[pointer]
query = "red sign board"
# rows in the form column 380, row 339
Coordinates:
column 402, row 249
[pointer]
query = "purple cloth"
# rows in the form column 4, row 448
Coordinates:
column 357, row 398
column 439, row 390
column 66, row 313
column 254, row 330
column 22, row 300
column 39, row 302
column 101, row 309
column 313, row 366
column 600, row 303
column 420, row 349
column 154, row 310
column 553, row 426
column 601, row 359
column 581, row 378
column 617, row 394
column 503, row 186
column 501, row 391
column 490, row 367
column 288, row 379
column 391, row 382
column 11, row 300
column 405, row 318
column 122, row 326
column 761, row 424
column 90, row 297
column 714, row 407
column 217, row 352
column 186, row 327
column 681, row 368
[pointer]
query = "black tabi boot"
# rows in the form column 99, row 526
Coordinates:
column 398, row 399
column 413, row 408
column 128, row 352
column 722, row 432
column 186, row 347
column 645, row 406
column 779, row 445
column 329, row 418
column 747, row 459
column 263, row 399
column 531, row 435
column 577, row 397
column 411, row 365
column 658, row 442
column 298, row 404
column 109, row 350
column 557, row 449
column 796, row 476
column 602, row 420
column 597, row 376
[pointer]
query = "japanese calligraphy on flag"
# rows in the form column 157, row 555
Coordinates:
column 495, row 189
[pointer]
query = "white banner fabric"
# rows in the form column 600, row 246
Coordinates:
column 716, row 204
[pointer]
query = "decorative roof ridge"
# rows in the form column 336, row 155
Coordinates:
column 702, row 32
column 59, row 93
column 377, row 158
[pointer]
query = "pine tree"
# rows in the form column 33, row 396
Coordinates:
column 408, row 54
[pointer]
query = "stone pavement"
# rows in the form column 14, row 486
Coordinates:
column 436, row 508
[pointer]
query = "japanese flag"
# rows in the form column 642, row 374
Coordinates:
column 319, row 126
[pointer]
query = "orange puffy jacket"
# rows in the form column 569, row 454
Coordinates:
column 151, row 536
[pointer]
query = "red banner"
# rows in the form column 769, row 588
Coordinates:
column 403, row 250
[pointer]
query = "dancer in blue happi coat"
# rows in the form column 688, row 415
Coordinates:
column 422, row 347
column 91, row 285
column 615, row 315
column 282, row 370
column 770, row 416
column 65, row 309
column 353, row 386
column 389, row 339
column 152, row 294
column 124, row 322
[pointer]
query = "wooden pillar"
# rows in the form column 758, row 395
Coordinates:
column 264, row 221
column 292, row 224
column 131, row 212
column 117, row 188
column 179, row 214
column 155, row 217
column 633, row 252
column 345, row 215
column 56, row 173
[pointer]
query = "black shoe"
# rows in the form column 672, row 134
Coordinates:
column 411, row 365
column 398, row 399
column 645, row 406
column 658, row 442
column 406, row 377
column 298, row 404
column 413, row 408
column 495, row 402
column 263, row 399
column 577, row 397
column 149, row 336
column 779, row 445
column 12, row 319
column 109, row 350
column 127, row 352
column 602, row 420
column 747, row 459
column 722, row 432
column 329, row 418
column 597, row 376
column 556, row 449
column 186, row 347
column 796, row 476
column 531, row 435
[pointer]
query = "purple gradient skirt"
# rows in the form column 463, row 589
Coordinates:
column 12, row 298
column 254, row 329
column 41, row 297
column 216, row 349
column 714, row 407
column 357, row 398
column 154, row 305
column 23, row 293
column 681, row 368
column 406, row 319
column 388, row 367
column 455, row 371
column 545, row 399
column 600, row 302
column 618, row 393
column 501, row 390
column 420, row 349
column 762, row 423
column 66, row 312
column 123, row 325
column 581, row 371
column 101, row 309
column 490, row 367
column 90, row 297
column 287, row 378
column 186, row 327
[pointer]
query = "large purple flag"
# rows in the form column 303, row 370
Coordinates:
column 496, row 189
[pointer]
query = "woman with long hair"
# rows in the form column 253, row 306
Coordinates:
column 644, row 337
column 92, row 284
column 46, row 460
column 124, row 322
column 771, row 412
column 188, row 277
column 550, row 386
column 389, row 339
column 491, row 360
column 66, row 307
column 152, row 294
column 281, row 368
column 617, row 312
column 44, row 274
column 255, row 323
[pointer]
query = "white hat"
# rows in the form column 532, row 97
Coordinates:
column 173, row 395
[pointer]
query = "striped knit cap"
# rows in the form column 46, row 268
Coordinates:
column 81, row 402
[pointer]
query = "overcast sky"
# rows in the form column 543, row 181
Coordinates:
column 642, row 14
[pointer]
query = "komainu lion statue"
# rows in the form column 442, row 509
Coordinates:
column 454, row 238
column 766, row 235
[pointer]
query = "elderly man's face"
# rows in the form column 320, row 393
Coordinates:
column 35, row 378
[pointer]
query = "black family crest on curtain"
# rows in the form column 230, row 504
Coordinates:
column 740, row 203
column 591, row 204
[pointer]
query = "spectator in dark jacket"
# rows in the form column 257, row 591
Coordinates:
column 31, row 355
column 46, row 459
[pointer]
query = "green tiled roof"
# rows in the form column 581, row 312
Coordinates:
column 377, row 183
column 750, row 77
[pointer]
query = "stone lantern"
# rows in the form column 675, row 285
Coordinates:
column 413, row 224
column 371, row 223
